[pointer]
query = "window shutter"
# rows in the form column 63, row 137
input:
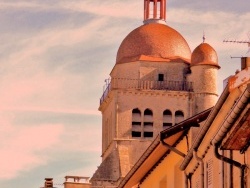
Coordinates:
column 210, row 173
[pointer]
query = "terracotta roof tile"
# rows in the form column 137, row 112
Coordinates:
column 153, row 41
column 204, row 54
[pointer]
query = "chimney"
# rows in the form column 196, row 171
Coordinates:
column 48, row 183
column 245, row 62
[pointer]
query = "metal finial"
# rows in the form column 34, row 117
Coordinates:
column 204, row 37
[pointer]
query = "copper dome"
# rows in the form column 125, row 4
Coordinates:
column 153, row 42
column 204, row 54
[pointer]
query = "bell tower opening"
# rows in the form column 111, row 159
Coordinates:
column 154, row 11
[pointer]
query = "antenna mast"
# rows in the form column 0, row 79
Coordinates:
column 238, row 41
column 241, row 42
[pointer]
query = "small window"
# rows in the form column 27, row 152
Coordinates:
column 136, row 111
column 136, row 134
column 179, row 116
column 167, row 113
column 134, row 123
column 179, row 113
column 148, row 124
column 165, row 125
column 160, row 77
column 148, row 112
column 167, row 119
column 148, row 134
column 136, row 116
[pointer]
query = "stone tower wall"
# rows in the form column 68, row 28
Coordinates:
column 204, row 78
column 117, row 115
column 147, row 70
column 108, row 121
column 204, row 101
column 126, row 70
column 156, row 101
column 122, row 99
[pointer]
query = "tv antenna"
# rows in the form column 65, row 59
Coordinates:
column 241, row 42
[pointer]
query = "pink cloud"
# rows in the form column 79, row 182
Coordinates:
column 19, row 147
column 43, row 92
column 108, row 8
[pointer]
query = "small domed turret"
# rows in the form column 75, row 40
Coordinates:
column 204, row 68
column 204, row 54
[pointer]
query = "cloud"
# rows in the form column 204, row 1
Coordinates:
column 18, row 5
column 35, row 139
column 54, row 57
column 217, row 25
column 110, row 8
column 212, row 5
column 39, row 43
column 20, row 145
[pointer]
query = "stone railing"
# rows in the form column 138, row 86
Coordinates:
column 122, row 83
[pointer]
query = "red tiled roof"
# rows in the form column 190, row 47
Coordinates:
column 153, row 42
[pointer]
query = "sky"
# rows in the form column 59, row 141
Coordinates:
column 54, row 58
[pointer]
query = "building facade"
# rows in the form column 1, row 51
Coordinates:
column 155, row 83
column 162, row 122
column 217, row 156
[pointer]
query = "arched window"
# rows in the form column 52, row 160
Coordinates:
column 136, row 114
column 148, row 123
column 179, row 116
column 136, row 123
column 167, row 119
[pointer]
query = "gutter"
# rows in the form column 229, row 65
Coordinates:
column 232, row 162
column 205, row 128
column 230, row 119
column 236, row 110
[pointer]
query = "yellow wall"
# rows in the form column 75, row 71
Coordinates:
column 167, row 173
column 216, row 172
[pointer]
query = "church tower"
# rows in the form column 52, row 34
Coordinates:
column 152, row 87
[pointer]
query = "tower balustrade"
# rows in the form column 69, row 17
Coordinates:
column 124, row 83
